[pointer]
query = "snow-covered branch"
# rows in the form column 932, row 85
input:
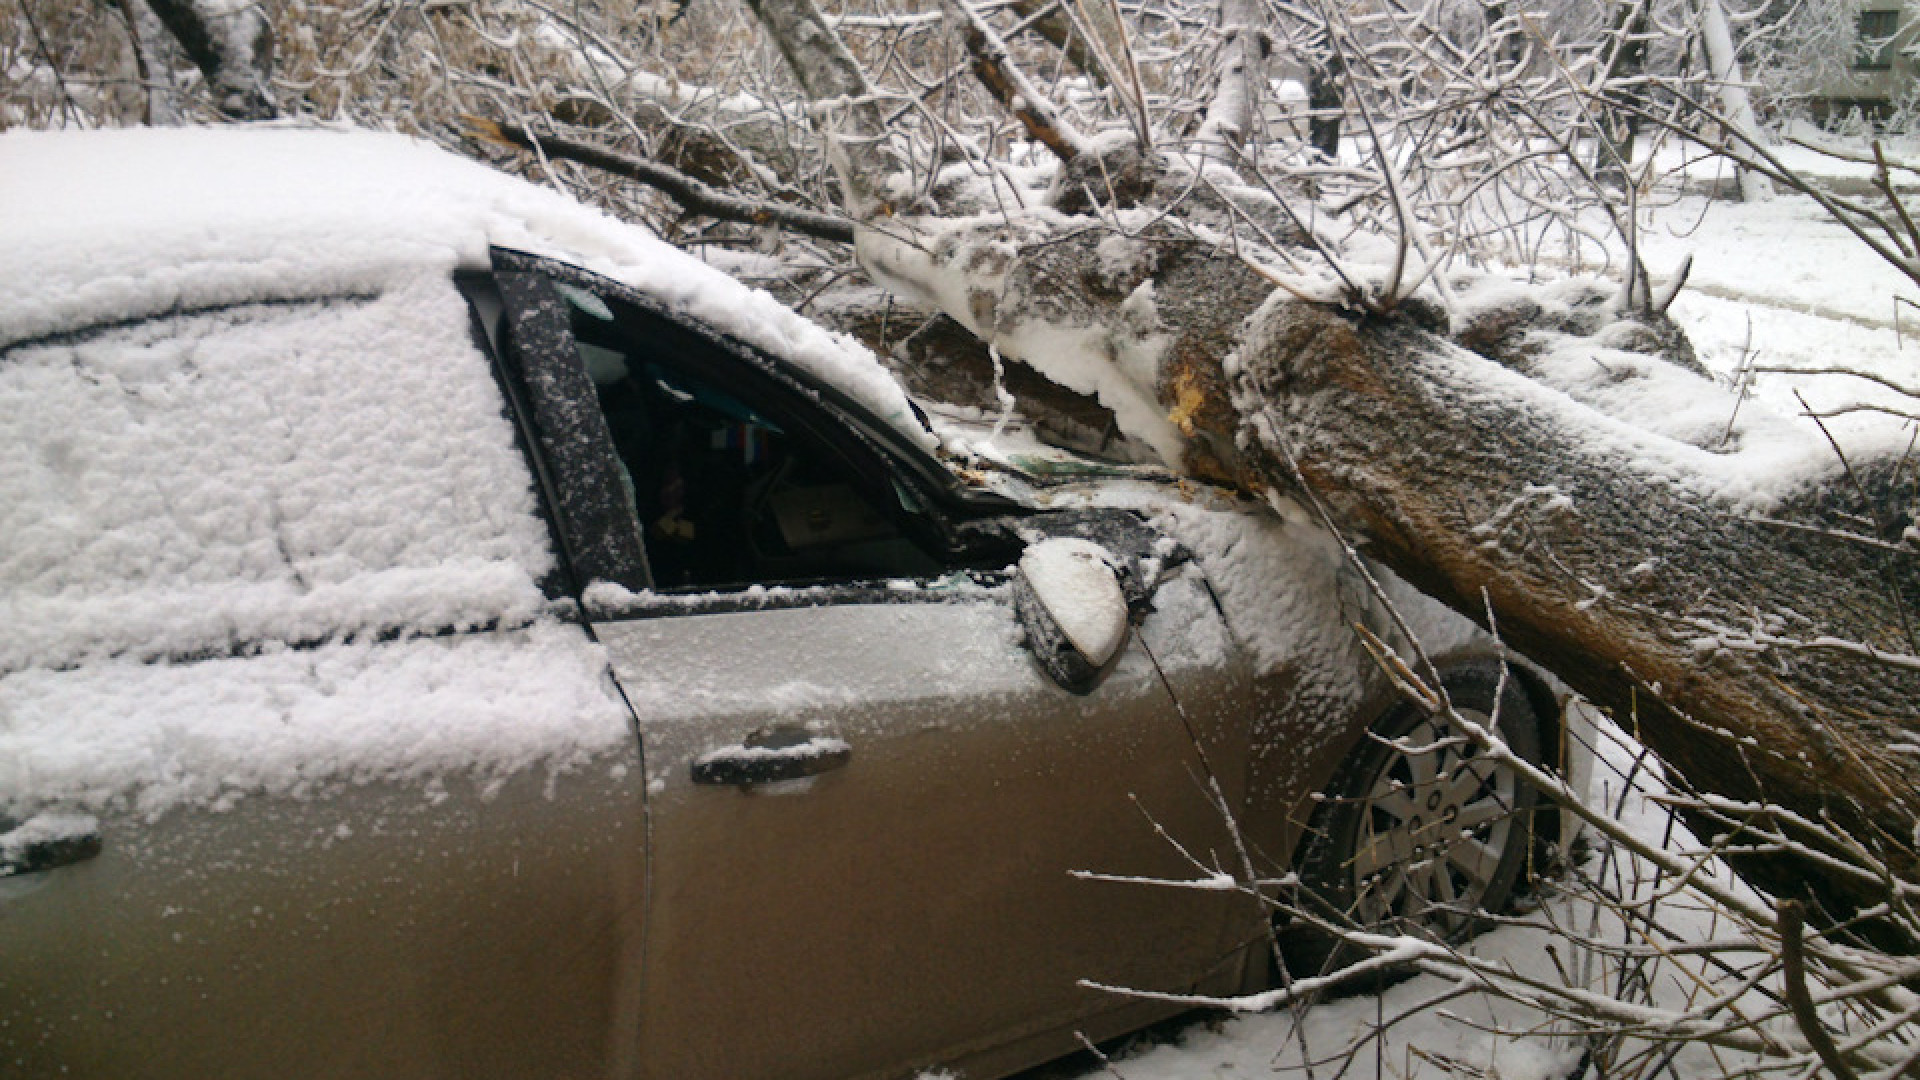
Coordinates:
column 995, row 68
column 232, row 45
column 691, row 194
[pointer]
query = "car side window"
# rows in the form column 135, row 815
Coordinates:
column 731, row 479
column 279, row 470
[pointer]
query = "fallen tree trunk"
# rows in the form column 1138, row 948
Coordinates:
column 1762, row 648
column 1754, row 631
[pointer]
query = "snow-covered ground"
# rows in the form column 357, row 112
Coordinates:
column 1773, row 285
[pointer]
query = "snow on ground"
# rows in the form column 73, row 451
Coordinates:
column 1774, row 284
column 1781, row 284
column 1778, row 284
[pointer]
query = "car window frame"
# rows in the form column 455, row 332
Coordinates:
column 486, row 309
column 576, row 463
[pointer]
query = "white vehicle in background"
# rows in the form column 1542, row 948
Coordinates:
column 445, row 632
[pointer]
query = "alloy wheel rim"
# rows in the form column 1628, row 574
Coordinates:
column 1435, row 824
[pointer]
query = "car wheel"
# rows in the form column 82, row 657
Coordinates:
column 1420, row 833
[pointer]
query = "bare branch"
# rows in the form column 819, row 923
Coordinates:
column 995, row 69
column 1794, row 972
column 690, row 193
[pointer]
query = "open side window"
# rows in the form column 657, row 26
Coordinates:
column 680, row 461
column 733, row 482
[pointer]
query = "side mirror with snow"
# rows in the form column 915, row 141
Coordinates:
column 1068, row 598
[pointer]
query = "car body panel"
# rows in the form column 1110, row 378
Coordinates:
column 918, row 903
column 454, row 926
column 903, row 910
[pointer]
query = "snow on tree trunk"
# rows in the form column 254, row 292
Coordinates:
column 1731, row 86
column 1737, row 637
column 1736, row 592
column 231, row 42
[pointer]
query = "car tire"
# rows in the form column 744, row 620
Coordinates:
column 1369, row 859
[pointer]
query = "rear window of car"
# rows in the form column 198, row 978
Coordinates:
column 253, row 472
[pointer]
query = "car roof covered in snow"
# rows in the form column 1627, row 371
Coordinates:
column 106, row 226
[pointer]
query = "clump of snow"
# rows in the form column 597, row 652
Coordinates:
column 1105, row 361
column 961, row 267
column 150, row 737
column 1652, row 394
column 51, row 827
column 1572, row 337
column 131, row 223
column 1779, row 457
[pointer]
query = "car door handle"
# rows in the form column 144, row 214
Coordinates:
column 766, row 757
column 47, row 842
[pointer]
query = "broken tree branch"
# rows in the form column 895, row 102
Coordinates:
column 691, row 194
column 995, row 69
column 232, row 46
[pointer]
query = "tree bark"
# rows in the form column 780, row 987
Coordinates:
column 232, row 45
column 1049, row 20
column 993, row 65
column 857, row 136
column 1736, row 643
column 1239, row 85
column 149, row 39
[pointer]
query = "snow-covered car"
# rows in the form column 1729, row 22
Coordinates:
column 447, row 633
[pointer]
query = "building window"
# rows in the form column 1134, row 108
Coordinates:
column 1874, row 50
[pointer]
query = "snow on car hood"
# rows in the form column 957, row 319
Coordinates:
column 123, row 224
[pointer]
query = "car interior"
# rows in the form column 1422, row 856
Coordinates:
column 730, row 481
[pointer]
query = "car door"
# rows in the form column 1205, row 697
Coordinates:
column 902, row 890
column 302, row 778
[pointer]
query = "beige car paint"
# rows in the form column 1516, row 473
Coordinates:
column 918, row 905
column 379, row 930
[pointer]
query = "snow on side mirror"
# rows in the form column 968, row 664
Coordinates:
column 1069, row 600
